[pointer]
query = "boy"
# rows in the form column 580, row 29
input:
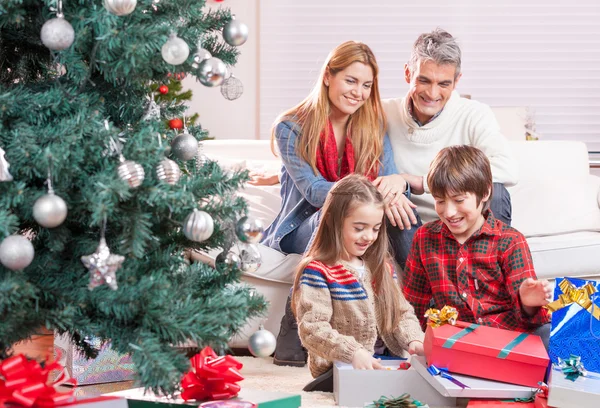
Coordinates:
column 470, row 260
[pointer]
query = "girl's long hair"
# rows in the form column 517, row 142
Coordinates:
column 367, row 125
column 327, row 247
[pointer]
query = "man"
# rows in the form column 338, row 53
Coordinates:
column 432, row 116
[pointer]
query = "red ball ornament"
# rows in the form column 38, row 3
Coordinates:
column 176, row 123
column 163, row 89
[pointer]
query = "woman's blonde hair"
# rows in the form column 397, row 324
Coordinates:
column 327, row 247
column 367, row 125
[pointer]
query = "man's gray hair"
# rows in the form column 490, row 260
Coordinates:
column 438, row 46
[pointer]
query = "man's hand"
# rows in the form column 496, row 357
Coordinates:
column 362, row 360
column 533, row 294
column 416, row 183
column 391, row 187
column 416, row 347
column 401, row 214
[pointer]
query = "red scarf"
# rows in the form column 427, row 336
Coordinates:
column 327, row 157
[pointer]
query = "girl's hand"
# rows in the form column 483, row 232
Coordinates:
column 416, row 347
column 363, row 360
column 391, row 187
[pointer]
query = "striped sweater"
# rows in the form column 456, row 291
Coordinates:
column 336, row 316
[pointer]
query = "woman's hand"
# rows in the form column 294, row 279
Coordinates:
column 363, row 360
column 261, row 179
column 391, row 187
column 401, row 214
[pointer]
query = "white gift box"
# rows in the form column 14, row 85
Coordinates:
column 478, row 387
column 355, row 388
column 581, row 393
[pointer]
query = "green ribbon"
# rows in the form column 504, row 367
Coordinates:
column 452, row 340
column 517, row 340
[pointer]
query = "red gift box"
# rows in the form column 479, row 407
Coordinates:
column 541, row 401
column 477, row 403
column 487, row 352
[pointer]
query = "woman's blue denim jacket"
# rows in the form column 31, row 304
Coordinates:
column 303, row 192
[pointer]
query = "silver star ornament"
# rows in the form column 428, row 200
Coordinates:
column 102, row 266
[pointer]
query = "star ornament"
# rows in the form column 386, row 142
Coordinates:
column 102, row 266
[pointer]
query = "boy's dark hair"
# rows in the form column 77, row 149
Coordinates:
column 461, row 169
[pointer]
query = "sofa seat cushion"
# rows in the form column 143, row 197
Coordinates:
column 275, row 266
column 575, row 255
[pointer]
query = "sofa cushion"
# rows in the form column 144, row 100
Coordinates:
column 556, row 205
column 574, row 255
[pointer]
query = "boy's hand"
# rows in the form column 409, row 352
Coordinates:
column 416, row 347
column 363, row 360
column 534, row 293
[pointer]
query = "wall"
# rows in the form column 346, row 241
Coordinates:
column 232, row 119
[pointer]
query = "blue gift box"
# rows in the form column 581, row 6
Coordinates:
column 574, row 329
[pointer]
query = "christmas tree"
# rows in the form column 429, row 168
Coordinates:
column 95, row 220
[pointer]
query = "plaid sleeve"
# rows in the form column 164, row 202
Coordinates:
column 518, row 266
column 416, row 285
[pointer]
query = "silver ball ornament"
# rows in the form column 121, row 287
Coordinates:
column 235, row 32
column 57, row 34
column 131, row 172
column 228, row 260
column 168, row 171
column 249, row 230
column 16, row 252
column 211, row 72
column 184, row 146
column 251, row 258
column 120, row 7
column 200, row 55
column 50, row 210
column 198, row 226
column 175, row 51
column 262, row 343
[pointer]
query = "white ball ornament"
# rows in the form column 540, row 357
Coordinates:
column 57, row 34
column 211, row 72
column 175, row 51
column 50, row 210
column 262, row 343
column 131, row 172
column 120, row 7
column 198, row 226
column 16, row 252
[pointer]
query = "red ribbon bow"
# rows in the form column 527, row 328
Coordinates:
column 211, row 377
column 25, row 383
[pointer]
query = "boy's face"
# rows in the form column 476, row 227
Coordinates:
column 460, row 213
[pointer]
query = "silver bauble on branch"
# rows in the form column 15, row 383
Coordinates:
column 235, row 32
column 131, row 172
column 120, row 7
column 57, row 34
column 200, row 55
column 184, row 146
column 262, row 343
column 232, row 88
column 50, row 210
column 102, row 266
column 175, row 51
column 211, row 72
column 228, row 260
column 4, row 174
column 16, row 252
column 198, row 226
column 250, row 257
column 168, row 171
column 249, row 230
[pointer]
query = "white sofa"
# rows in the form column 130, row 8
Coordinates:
column 556, row 205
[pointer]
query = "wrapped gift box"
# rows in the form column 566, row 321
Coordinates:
column 98, row 402
column 584, row 392
column 138, row 398
column 541, row 401
column 355, row 388
column 487, row 352
column 478, row 387
column 109, row 366
column 574, row 327
column 486, row 403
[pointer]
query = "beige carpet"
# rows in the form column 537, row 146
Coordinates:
column 262, row 374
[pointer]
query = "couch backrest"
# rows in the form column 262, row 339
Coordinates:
column 547, row 159
column 239, row 149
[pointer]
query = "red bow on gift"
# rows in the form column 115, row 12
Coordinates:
column 211, row 377
column 25, row 383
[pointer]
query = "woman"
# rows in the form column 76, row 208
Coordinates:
column 338, row 129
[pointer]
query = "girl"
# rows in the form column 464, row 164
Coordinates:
column 345, row 292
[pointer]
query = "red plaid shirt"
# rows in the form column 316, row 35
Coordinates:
column 481, row 277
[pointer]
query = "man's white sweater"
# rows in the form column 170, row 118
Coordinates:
column 461, row 122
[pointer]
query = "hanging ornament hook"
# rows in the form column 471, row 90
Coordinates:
column 59, row 11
